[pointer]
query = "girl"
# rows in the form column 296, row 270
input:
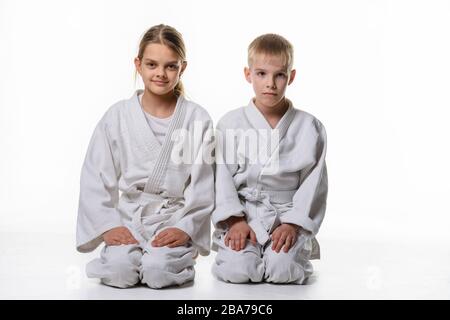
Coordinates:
column 155, row 229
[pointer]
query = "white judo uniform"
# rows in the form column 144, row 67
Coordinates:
column 130, row 179
column 283, row 181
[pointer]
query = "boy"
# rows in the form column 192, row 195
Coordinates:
column 270, row 202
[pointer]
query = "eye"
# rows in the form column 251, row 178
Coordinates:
column 281, row 75
column 151, row 65
column 173, row 67
column 260, row 73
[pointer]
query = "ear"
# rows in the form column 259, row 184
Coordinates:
column 292, row 76
column 247, row 73
column 137, row 64
column 183, row 67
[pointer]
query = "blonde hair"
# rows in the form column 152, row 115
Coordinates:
column 274, row 45
column 170, row 37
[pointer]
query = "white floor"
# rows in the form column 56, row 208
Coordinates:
column 38, row 266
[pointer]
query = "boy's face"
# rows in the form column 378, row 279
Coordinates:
column 270, row 78
column 160, row 69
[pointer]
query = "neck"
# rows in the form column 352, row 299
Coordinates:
column 275, row 113
column 158, row 106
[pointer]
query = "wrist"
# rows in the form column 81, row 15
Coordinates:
column 233, row 220
column 295, row 226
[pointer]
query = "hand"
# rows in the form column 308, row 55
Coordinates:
column 118, row 236
column 238, row 233
column 171, row 237
column 284, row 236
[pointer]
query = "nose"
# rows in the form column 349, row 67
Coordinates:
column 161, row 73
column 271, row 83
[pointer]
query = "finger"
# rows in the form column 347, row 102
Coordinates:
column 230, row 240
column 174, row 244
column 167, row 240
column 122, row 238
column 227, row 239
column 113, row 242
column 127, row 233
column 294, row 240
column 161, row 234
column 154, row 243
column 184, row 240
column 275, row 240
column 158, row 242
column 177, row 241
column 237, row 243
column 116, row 240
column 280, row 243
column 274, row 244
column 114, row 237
column 287, row 244
column 242, row 244
column 123, row 232
column 132, row 240
column 163, row 237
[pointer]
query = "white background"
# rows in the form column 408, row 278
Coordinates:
column 376, row 73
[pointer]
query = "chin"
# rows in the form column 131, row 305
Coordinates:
column 159, row 91
column 270, row 103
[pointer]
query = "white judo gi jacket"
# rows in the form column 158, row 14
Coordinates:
column 283, row 181
column 129, row 179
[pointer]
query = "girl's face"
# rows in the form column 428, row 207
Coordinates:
column 160, row 69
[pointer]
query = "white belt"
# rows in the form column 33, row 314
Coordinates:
column 253, row 196
column 148, row 217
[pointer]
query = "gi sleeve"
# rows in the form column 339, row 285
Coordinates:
column 228, row 203
column 199, row 194
column 309, row 201
column 98, row 190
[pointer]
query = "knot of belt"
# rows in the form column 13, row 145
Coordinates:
column 149, row 204
column 260, row 226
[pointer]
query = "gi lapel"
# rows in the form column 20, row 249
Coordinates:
column 268, row 138
column 159, row 170
column 138, row 123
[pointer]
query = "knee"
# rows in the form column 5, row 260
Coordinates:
column 118, row 266
column 159, row 273
column 283, row 268
column 238, row 268
column 123, row 274
column 154, row 277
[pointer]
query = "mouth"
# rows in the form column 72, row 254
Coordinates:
column 160, row 82
column 271, row 94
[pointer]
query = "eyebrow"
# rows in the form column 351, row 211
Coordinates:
column 151, row 60
column 281, row 70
